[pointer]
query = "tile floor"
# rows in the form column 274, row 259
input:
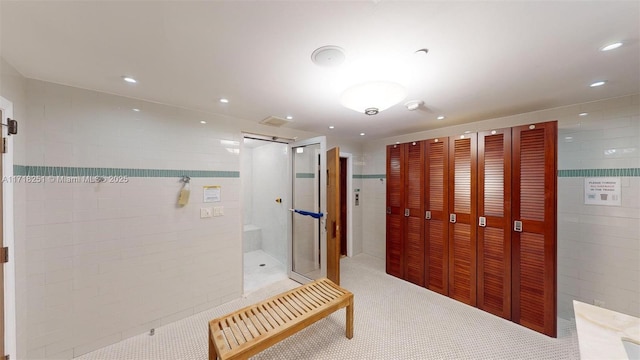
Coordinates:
column 393, row 320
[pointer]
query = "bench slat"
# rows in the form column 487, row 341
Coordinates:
column 263, row 320
column 249, row 324
column 295, row 305
column 243, row 328
column 315, row 298
column 236, row 332
column 312, row 304
column 276, row 307
column 271, row 315
column 306, row 308
column 291, row 312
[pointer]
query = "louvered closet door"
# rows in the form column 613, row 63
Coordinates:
column 462, row 218
column 534, row 243
column 494, row 222
column 395, row 210
column 414, row 214
column 437, row 215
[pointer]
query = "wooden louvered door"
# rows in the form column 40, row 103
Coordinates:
column 534, row 226
column 436, row 223
column 414, row 250
column 395, row 210
column 494, row 222
column 462, row 218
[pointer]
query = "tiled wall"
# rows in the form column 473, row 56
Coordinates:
column 108, row 260
column 269, row 182
column 598, row 246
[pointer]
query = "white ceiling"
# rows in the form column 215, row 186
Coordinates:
column 485, row 60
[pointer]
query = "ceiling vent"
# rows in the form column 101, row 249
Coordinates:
column 274, row 121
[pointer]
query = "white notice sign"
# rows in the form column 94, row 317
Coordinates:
column 602, row 191
column 211, row 194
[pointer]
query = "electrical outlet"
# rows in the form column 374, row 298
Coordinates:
column 599, row 303
column 206, row 213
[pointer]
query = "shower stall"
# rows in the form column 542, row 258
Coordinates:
column 265, row 198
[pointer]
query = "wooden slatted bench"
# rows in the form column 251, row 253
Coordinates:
column 254, row 328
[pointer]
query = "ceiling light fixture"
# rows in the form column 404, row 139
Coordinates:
column 372, row 97
column 598, row 83
column 611, row 46
column 224, row 101
column 289, row 117
column 129, row 79
column 362, row 134
column 441, row 117
column 331, row 127
column 203, row 122
column 583, row 114
column 136, row 110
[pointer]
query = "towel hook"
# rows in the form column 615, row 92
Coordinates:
column 186, row 179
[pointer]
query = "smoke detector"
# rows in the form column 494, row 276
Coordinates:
column 328, row 56
column 275, row 121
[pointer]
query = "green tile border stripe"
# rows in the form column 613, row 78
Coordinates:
column 629, row 172
column 305, row 176
column 370, row 176
column 86, row 171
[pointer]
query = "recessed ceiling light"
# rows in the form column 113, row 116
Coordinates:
column 203, row 122
column 136, row 110
column 611, row 46
column 129, row 79
column 362, row 134
column 583, row 114
column 441, row 117
column 224, row 101
column 598, row 83
column 331, row 127
column 467, row 132
column 289, row 117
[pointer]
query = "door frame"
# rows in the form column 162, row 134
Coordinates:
column 9, row 280
column 349, row 158
column 322, row 140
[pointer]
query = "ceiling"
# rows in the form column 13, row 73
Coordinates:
column 485, row 59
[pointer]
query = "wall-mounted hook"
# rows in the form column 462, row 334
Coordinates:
column 279, row 200
column 186, row 179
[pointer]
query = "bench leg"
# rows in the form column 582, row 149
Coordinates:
column 350, row 319
column 212, row 348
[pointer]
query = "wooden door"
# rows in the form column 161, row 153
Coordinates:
column 2, row 349
column 333, row 215
column 534, row 237
column 494, row 222
column 395, row 210
column 344, row 197
column 462, row 218
column 414, row 250
column 436, row 228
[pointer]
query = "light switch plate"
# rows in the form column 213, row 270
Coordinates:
column 206, row 213
column 218, row 211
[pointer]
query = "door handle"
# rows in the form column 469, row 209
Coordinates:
column 335, row 229
column 406, row 212
column 452, row 218
column 482, row 221
column 427, row 215
column 517, row 226
column 388, row 209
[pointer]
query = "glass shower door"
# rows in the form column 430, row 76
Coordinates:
column 307, row 258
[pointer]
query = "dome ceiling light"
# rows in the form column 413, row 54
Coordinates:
column 372, row 97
